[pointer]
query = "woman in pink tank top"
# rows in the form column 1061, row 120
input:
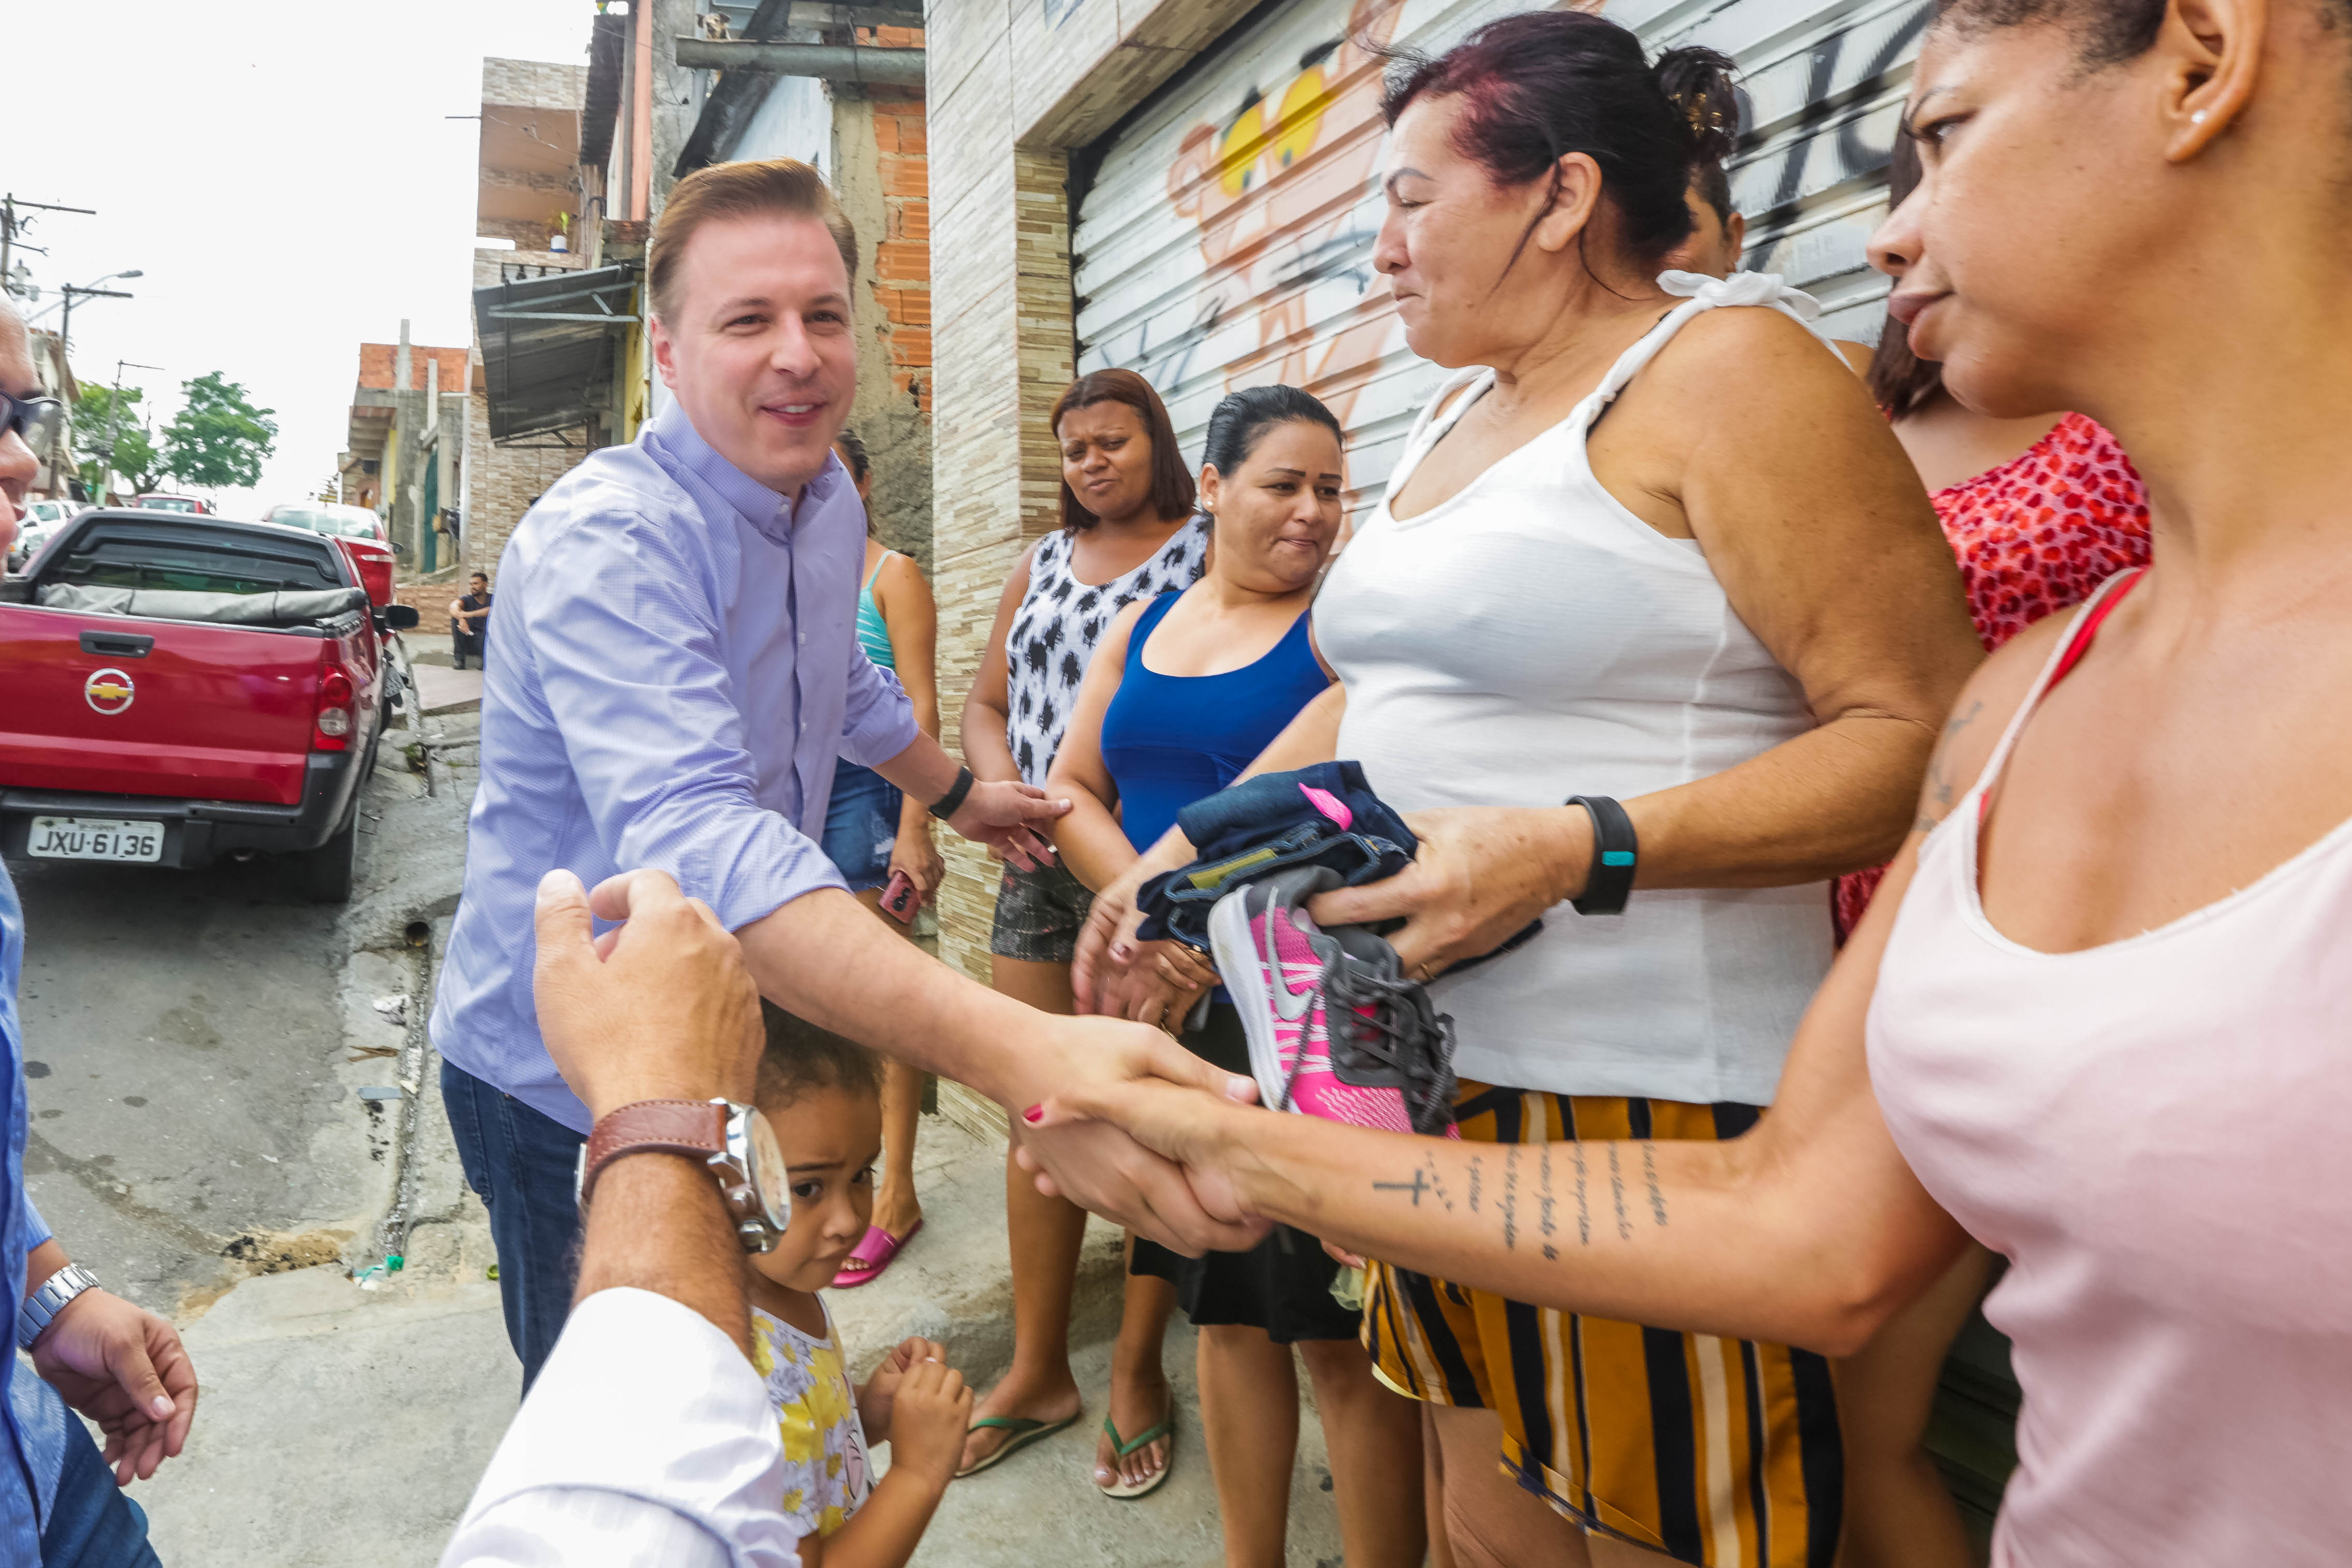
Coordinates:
column 2101, row 1016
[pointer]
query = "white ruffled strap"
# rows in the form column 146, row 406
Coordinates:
column 1767, row 288
column 1700, row 292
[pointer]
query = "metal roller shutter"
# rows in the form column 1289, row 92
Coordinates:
column 1225, row 239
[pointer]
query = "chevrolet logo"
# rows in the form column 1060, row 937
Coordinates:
column 108, row 691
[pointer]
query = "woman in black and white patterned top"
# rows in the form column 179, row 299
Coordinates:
column 1129, row 531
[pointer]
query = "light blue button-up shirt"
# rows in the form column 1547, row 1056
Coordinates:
column 675, row 670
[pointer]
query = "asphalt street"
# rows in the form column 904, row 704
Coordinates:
column 180, row 1031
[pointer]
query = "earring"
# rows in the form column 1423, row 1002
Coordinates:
column 2198, row 118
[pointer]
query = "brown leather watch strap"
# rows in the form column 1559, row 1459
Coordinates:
column 697, row 1127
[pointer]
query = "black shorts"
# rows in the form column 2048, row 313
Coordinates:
column 1039, row 915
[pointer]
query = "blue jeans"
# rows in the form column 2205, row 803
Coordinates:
column 522, row 1165
column 861, row 826
column 92, row 1523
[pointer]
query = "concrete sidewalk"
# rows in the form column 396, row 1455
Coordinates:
column 340, row 1426
column 441, row 689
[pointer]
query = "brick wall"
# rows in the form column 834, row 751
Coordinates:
column 880, row 158
column 902, row 259
column 378, row 367
column 500, row 484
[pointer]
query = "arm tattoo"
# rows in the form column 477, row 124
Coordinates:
column 1649, row 1174
column 1437, row 1184
column 1543, row 1203
column 1617, row 1190
column 1583, row 1213
column 1426, row 1179
column 1940, row 780
column 1418, row 1185
column 1511, row 1199
column 1476, row 1174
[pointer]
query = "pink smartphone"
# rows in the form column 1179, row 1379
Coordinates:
column 901, row 898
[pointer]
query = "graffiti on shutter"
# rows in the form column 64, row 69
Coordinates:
column 1227, row 238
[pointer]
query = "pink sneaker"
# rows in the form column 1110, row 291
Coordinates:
column 1334, row 1029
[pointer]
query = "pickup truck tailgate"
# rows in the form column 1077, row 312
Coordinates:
column 114, row 705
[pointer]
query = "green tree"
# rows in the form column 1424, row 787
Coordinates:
column 109, row 426
column 218, row 439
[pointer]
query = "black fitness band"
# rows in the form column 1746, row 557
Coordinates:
column 948, row 804
column 1614, row 850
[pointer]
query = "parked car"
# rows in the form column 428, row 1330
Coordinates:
column 329, row 517
column 157, row 502
column 40, row 518
column 184, row 686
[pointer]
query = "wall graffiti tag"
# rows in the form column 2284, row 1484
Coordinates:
column 1227, row 238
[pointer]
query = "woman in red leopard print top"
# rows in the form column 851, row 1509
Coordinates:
column 2040, row 510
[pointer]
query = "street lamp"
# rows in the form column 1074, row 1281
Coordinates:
column 64, row 339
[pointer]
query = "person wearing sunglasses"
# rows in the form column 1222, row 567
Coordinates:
column 34, row 420
column 116, row 1363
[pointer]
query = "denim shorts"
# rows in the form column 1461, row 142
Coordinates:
column 861, row 826
column 1039, row 915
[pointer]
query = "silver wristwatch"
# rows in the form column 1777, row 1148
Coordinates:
column 42, row 1307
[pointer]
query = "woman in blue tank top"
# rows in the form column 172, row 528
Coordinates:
column 1184, row 691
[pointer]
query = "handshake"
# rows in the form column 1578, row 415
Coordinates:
column 1117, row 1117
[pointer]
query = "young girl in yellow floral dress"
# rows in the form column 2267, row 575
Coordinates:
column 823, row 1095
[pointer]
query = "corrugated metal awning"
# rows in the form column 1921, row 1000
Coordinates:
column 550, row 345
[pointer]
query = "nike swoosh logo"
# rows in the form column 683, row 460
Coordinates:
column 1292, row 1005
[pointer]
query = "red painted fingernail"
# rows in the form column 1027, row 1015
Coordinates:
column 1035, row 1114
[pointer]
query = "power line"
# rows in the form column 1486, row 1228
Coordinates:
column 10, row 223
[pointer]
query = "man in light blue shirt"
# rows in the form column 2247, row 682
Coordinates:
column 677, row 672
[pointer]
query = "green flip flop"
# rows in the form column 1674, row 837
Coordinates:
column 1124, row 1447
column 1024, row 1432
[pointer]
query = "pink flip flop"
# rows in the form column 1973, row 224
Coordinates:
column 873, row 1254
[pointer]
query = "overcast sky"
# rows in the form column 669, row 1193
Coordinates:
column 283, row 174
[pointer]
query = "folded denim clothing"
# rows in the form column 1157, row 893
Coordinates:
column 1326, row 815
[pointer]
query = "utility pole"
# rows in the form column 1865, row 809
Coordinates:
column 8, row 221
column 114, row 425
column 65, row 327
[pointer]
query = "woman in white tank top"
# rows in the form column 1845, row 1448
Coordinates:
column 2100, row 1016
column 1727, row 606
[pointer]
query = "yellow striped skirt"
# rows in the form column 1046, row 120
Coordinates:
column 1718, row 1452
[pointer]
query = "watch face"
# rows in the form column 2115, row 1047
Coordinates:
column 764, row 1160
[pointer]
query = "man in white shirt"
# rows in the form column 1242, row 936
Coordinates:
column 647, row 1438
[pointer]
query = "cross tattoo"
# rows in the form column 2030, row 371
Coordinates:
column 1418, row 1185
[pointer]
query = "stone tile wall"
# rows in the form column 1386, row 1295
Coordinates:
column 1013, row 85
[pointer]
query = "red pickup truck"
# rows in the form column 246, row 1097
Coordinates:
column 181, row 687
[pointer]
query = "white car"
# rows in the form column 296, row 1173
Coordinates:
column 40, row 520
column 332, row 519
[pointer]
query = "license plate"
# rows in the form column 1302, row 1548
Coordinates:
column 95, row 839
